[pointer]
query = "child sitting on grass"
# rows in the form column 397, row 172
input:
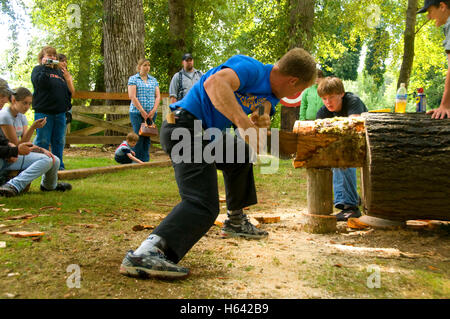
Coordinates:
column 124, row 153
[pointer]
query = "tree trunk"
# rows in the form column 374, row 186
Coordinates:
column 406, row 174
column 124, row 35
column 86, row 46
column 301, row 22
column 177, row 33
column 408, row 50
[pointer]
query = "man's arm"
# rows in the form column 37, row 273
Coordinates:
column 173, row 88
column 444, row 109
column 220, row 88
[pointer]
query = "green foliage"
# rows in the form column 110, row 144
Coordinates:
column 219, row 29
column 377, row 53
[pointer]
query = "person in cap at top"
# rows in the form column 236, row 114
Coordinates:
column 183, row 80
column 439, row 11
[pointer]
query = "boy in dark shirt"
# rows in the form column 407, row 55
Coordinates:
column 344, row 104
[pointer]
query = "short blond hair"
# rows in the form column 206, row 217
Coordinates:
column 132, row 137
column 329, row 86
column 46, row 50
column 140, row 62
column 300, row 64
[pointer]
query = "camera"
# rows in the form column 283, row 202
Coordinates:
column 51, row 62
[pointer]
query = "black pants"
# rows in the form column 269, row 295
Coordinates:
column 197, row 184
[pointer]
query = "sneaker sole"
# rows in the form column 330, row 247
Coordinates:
column 7, row 194
column 225, row 234
column 146, row 273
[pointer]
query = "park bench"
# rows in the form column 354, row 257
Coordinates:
column 82, row 111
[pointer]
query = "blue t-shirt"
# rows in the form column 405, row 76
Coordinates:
column 253, row 91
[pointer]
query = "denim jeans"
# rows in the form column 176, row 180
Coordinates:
column 345, row 186
column 33, row 166
column 53, row 133
column 142, row 147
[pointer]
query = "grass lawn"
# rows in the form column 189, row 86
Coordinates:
column 91, row 227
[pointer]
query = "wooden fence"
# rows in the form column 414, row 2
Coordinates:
column 84, row 114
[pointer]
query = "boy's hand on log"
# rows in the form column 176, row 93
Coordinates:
column 440, row 113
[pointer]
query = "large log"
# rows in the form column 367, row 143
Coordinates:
column 407, row 174
column 336, row 142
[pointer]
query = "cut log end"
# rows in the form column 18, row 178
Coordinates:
column 319, row 224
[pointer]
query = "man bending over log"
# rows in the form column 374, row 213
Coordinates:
column 340, row 103
column 223, row 97
column 439, row 11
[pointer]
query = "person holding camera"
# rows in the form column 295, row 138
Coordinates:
column 51, row 99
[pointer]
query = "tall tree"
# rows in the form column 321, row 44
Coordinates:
column 124, row 35
column 408, row 48
column 301, row 21
column 177, row 33
column 377, row 52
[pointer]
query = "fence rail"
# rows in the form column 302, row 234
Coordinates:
column 122, row 125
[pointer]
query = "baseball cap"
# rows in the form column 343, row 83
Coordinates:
column 429, row 3
column 187, row 56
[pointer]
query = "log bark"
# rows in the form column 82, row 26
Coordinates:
column 319, row 224
column 406, row 175
column 124, row 37
column 320, row 191
column 337, row 142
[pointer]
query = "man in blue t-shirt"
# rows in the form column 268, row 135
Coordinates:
column 225, row 96
column 340, row 103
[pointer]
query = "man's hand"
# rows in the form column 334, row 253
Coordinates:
column 440, row 113
column 25, row 148
column 12, row 159
column 261, row 121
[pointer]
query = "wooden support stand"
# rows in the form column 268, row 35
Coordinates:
column 320, row 202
